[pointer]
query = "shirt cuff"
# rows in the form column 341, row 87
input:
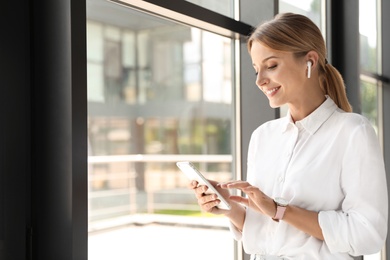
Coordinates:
column 334, row 237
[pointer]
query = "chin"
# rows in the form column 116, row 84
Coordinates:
column 274, row 105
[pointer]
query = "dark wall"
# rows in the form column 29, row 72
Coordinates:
column 14, row 128
column 43, row 154
column 59, row 128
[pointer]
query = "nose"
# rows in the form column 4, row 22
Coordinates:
column 261, row 80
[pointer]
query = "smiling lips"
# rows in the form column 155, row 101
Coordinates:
column 269, row 92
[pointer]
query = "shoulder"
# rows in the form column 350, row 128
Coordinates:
column 348, row 119
column 352, row 124
column 275, row 124
column 270, row 128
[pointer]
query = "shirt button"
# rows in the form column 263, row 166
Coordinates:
column 281, row 179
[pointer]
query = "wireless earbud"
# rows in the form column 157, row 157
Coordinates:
column 309, row 63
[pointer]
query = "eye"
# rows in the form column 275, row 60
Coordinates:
column 272, row 67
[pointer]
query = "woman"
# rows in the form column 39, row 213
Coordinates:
column 316, row 185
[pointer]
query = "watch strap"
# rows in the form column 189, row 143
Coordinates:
column 280, row 210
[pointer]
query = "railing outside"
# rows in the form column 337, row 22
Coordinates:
column 123, row 185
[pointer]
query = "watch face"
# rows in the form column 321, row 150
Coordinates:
column 281, row 202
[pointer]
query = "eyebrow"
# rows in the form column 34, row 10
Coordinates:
column 270, row 57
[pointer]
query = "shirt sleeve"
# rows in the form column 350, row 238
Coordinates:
column 360, row 227
column 237, row 235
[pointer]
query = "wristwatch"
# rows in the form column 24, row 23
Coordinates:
column 281, row 205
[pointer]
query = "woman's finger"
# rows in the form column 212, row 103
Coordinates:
column 208, row 202
column 252, row 189
column 192, row 184
column 207, row 198
column 240, row 199
column 225, row 184
column 210, row 206
column 200, row 191
column 238, row 185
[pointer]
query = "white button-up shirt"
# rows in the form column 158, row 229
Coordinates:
column 329, row 162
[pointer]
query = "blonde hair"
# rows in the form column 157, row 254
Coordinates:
column 298, row 34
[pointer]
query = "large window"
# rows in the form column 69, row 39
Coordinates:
column 158, row 92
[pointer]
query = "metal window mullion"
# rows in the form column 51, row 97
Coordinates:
column 192, row 15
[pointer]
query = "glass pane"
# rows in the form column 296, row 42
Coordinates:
column 224, row 7
column 368, row 35
column 309, row 8
column 369, row 96
column 158, row 92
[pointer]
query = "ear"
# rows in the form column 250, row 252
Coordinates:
column 312, row 56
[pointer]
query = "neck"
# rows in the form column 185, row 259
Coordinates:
column 305, row 106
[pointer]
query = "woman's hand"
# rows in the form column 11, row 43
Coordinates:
column 209, row 201
column 303, row 219
column 256, row 199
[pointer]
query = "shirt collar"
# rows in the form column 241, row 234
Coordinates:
column 313, row 122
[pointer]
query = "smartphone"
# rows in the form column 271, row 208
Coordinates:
column 193, row 174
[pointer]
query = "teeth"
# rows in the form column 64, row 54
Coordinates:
column 270, row 91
